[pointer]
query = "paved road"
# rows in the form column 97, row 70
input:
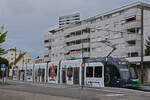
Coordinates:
column 62, row 92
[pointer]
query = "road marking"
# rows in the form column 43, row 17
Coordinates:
column 111, row 95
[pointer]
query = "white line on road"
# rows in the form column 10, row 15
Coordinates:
column 111, row 95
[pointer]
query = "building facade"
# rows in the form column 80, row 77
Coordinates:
column 120, row 27
column 17, row 57
column 68, row 19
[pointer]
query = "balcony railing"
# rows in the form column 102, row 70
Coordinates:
column 73, row 38
column 133, row 49
column 133, row 36
column 71, row 56
column 132, row 24
column 77, row 46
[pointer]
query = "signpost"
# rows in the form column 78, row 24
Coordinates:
column 3, row 67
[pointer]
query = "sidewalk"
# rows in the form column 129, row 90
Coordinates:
column 51, row 85
column 42, row 84
column 144, row 87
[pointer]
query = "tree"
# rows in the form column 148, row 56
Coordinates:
column 2, row 37
column 147, row 50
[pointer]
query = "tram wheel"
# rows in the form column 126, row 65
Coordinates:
column 107, row 79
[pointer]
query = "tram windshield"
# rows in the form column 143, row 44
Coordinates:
column 125, row 74
column 133, row 73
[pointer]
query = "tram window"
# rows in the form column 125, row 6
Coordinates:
column 89, row 72
column 98, row 72
column 56, row 71
column 115, row 73
column 29, row 72
column 49, row 70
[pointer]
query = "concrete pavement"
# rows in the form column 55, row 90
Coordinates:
column 20, row 95
column 52, row 91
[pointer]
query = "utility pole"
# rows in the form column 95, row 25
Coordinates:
column 14, row 64
column 82, row 62
column 142, row 43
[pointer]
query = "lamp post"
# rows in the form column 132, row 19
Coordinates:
column 82, row 66
column 142, row 40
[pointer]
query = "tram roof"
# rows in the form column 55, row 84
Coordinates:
column 104, row 59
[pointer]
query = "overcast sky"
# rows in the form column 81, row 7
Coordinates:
column 28, row 20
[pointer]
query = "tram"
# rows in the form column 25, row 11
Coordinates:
column 116, row 71
column 97, row 72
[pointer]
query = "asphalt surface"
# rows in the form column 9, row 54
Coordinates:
column 76, row 92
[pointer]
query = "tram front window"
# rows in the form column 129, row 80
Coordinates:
column 125, row 74
column 133, row 73
column 98, row 72
column 89, row 72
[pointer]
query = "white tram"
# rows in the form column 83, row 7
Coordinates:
column 29, row 72
column 63, row 72
column 53, row 72
column 70, row 72
column 40, row 72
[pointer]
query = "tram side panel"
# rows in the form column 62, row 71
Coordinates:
column 21, row 73
column 70, row 72
column 40, row 72
column 53, row 72
column 29, row 73
column 15, row 73
column 94, row 74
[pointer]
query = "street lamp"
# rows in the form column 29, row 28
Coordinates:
column 142, row 40
column 82, row 61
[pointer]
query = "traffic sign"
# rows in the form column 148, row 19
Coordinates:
column 3, row 66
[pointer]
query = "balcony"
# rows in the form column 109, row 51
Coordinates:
column 76, row 27
column 47, row 44
column 133, row 36
column 85, row 54
column 73, row 38
column 132, row 24
column 133, row 49
column 47, row 59
column 46, row 52
column 77, row 46
column 46, row 37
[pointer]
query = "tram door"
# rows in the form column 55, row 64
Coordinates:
column 63, row 75
column 76, row 75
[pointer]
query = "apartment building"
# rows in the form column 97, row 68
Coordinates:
column 121, row 27
column 54, row 45
column 68, row 19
